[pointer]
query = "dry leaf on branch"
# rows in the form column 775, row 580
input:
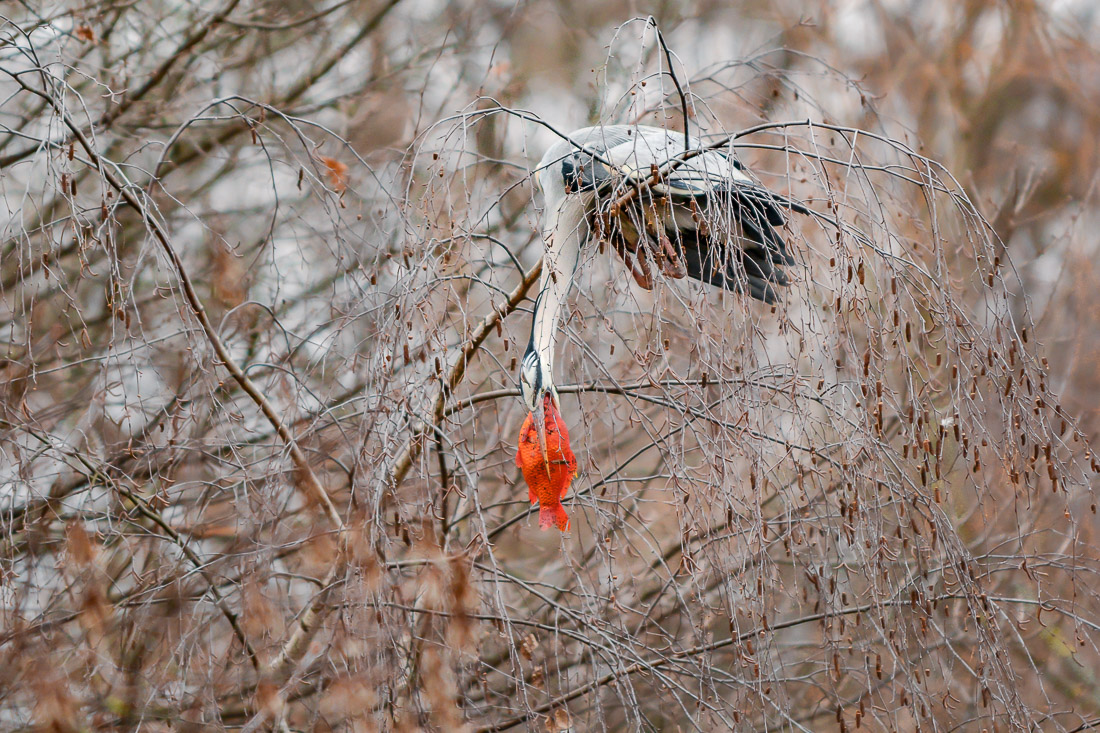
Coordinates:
column 336, row 172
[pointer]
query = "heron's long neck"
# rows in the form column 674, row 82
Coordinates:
column 566, row 229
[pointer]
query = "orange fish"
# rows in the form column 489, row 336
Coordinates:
column 547, row 478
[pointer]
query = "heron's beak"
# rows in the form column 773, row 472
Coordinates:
column 540, row 427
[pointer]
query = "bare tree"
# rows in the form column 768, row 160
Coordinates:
column 266, row 274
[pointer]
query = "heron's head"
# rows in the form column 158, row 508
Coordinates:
column 537, row 386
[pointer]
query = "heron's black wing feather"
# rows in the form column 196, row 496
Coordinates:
column 771, row 203
column 737, row 271
column 741, row 250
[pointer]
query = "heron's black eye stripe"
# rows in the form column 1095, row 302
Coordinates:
column 580, row 172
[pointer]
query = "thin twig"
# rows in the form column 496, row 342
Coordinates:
column 676, row 81
column 664, row 661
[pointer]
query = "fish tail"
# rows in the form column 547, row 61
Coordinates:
column 553, row 516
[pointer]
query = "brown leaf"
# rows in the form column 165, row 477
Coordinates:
column 528, row 646
column 82, row 548
column 229, row 274
column 85, row 33
column 337, row 173
column 269, row 700
column 259, row 617
column 95, row 611
column 56, row 710
column 559, row 722
column 349, row 697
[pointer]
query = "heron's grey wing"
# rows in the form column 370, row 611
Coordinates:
column 701, row 175
column 721, row 220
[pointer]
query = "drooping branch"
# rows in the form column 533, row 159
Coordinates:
column 126, row 191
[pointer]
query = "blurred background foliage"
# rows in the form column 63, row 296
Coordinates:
column 871, row 508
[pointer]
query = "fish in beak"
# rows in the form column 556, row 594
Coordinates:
column 547, row 461
column 538, row 412
column 540, row 428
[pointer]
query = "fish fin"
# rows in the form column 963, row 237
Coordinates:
column 565, row 487
column 561, row 518
column 531, row 495
column 553, row 516
column 546, row 517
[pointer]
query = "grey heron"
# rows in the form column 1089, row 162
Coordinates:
column 695, row 214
